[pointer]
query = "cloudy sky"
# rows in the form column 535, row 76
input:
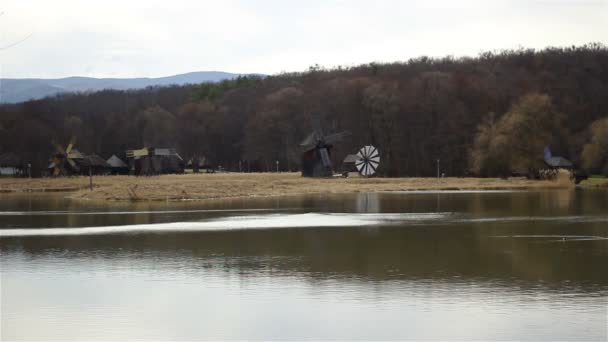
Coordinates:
column 160, row 38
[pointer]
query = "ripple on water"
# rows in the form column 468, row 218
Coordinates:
column 239, row 222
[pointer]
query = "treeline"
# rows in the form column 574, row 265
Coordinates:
column 488, row 115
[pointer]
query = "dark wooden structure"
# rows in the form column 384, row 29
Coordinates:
column 198, row 164
column 316, row 150
column 71, row 162
column 154, row 161
column 348, row 165
column 93, row 164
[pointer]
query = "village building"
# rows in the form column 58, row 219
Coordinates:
column 12, row 165
column 117, row 166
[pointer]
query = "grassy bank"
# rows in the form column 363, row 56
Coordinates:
column 229, row 185
column 596, row 181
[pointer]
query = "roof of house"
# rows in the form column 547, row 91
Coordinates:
column 558, row 162
column 93, row 160
column 116, row 162
column 350, row 158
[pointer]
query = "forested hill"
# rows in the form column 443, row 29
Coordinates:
column 15, row 90
column 480, row 115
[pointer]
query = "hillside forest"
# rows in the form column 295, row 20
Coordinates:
column 490, row 115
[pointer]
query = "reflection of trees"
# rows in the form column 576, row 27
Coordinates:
column 441, row 251
column 412, row 252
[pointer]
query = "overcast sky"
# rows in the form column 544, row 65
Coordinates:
column 159, row 38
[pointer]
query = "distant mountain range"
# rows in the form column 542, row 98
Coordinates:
column 13, row 90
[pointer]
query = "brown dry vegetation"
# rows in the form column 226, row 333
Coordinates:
column 229, row 185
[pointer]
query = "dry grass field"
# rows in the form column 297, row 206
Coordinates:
column 230, row 185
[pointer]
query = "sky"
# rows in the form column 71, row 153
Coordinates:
column 161, row 38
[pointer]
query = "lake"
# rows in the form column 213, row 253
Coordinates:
column 508, row 265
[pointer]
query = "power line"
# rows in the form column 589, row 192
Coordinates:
column 17, row 42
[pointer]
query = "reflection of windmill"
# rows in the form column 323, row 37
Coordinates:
column 64, row 160
column 316, row 149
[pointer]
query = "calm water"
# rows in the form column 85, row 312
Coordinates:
column 457, row 266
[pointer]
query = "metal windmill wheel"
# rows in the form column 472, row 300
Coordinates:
column 368, row 159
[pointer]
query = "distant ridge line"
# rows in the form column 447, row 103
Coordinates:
column 13, row 90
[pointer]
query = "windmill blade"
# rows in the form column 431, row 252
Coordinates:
column 373, row 165
column 373, row 152
column 58, row 147
column 359, row 165
column 71, row 144
column 72, row 163
column 365, row 169
column 308, row 148
column 333, row 138
column 369, row 151
column 325, row 157
column 309, row 143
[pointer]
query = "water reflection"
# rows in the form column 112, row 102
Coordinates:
column 503, row 265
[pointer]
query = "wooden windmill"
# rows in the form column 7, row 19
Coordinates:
column 316, row 150
column 64, row 160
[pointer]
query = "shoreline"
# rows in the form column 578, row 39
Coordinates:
column 203, row 187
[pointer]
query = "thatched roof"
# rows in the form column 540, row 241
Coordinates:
column 93, row 160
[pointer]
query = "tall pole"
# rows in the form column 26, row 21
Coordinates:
column 437, row 168
column 90, row 175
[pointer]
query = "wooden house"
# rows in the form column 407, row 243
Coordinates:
column 154, row 161
column 12, row 165
column 117, row 166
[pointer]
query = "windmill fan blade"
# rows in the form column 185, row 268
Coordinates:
column 365, row 170
column 59, row 148
column 308, row 147
column 332, row 138
column 325, row 157
column 309, row 142
column 72, row 163
column 373, row 152
column 359, row 165
column 70, row 145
